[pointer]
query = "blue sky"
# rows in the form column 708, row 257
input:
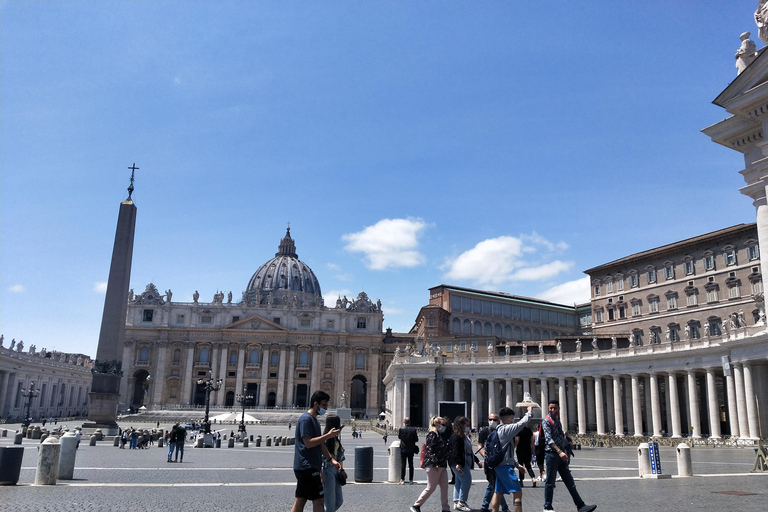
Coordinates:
column 502, row 145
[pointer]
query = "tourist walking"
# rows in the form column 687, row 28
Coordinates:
column 462, row 460
column 524, row 451
column 506, row 472
column 436, row 451
column 172, row 441
column 557, row 460
column 181, row 437
column 309, row 450
column 333, row 496
column 408, row 448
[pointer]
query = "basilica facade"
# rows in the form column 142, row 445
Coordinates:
column 277, row 343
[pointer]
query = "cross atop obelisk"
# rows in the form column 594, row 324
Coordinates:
column 130, row 187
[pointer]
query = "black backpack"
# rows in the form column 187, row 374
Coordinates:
column 494, row 452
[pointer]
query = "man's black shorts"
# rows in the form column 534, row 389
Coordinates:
column 309, row 484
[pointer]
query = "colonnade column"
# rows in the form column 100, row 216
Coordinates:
column 473, row 395
column 373, row 387
column 514, row 398
column 544, row 393
column 733, row 414
column 314, row 383
column 526, row 387
column 599, row 416
column 563, row 403
column 508, row 389
column 713, row 405
column 741, row 401
column 341, row 370
column 674, row 405
column 406, row 410
column 186, row 392
column 572, row 402
column 749, row 395
column 617, row 410
column 581, row 410
column 655, row 404
column 492, row 407
column 4, row 392
column 637, row 411
column 610, row 419
column 589, row 398
column 693, row 404
column 397, row 401
column 430, row 398
column 289, row 393
column 241, row 371
column 223, row 375
column 457, row 390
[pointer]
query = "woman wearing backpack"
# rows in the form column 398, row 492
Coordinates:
column 462, row 460
column 436, row 453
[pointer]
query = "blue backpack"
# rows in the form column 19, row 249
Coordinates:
column 494, row 452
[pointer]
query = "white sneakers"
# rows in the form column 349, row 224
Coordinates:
column 459, row 505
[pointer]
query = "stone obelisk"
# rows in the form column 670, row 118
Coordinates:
column 105, row 388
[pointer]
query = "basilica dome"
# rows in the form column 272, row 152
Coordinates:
column 284, row 277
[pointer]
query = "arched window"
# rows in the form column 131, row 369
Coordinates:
column 536, row 335
column 527, row 334
column 488, row 329
column 518, row 333
column 456, row 325
column 177, row 355
column 497, row 330
column 329, row 359
column 360, row 361
column 467, row 327
column 233, row 358
column 204, row 354
column 478, row 328
column 144, row 355
column 254, row 358
column 304, row 358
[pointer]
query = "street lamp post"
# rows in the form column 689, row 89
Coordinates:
column 210, row 384
column 242, row 399
column 29, row 394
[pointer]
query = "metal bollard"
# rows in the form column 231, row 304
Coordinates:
column 269, row 441
column 245, row 443
column 643, row 460
column 159, row 441
column 48, row 462
column 258, row 441
column 364, row 464
column 43, row 437
column 10, row 464
column 67, row 456
column 218, row 442
column 395, row 460
column 684, row 460
column 231, row 442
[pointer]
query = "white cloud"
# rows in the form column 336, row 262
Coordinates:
column 498, row 261
column 390, row 243
column 100, row 287
column 572, row 292
column 333, row 266
column 17, row 288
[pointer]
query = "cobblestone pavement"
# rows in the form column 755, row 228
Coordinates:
column 261, row 479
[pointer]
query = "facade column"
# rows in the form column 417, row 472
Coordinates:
column 508, row 389
column 563, row 402
column 581, row 409
column 714, row 407
column 526, row 387
column 749, row 396
column 741, row 401
column 513, row 393
column 473, row 399
column 159, row 385
column 492, row 407
column 189, row 363
column 315, row 374
column 4, row 392
column 280, row 398
column 610, row 420
column 573, row 415
column 223, row 360
column 674, row 405
column 693, row 404
column 406, row 412
column 397, row 401
column 374, row 404
column 637, row 411
column 648, row 408
column 599, row 416
column 733, row 414
column 290, row 395
column 125, row 393
column 341, row 371
column 617, row 411
column 431, row 405
column 655, row 404
column 263, row 372
column 241, row 372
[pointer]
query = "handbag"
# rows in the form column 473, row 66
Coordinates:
column 342, row 476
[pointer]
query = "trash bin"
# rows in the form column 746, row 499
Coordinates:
column 269, row 441
column 218, row 442
column 17, row 438
column 10, row 464
column 684, row 460
column 116, row 441
column 364, row 464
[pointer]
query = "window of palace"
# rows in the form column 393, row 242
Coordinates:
column 147, row 315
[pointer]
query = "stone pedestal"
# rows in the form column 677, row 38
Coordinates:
column 48, row 462
column 344, row 413
column 67, row 456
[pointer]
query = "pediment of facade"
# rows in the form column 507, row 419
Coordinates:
column 255, row 323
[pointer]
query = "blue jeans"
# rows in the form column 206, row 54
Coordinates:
column 179, row 450
column 557, row 465
column 491, row 475
column 463, row 481
column 171, row 447
column 331, row 488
